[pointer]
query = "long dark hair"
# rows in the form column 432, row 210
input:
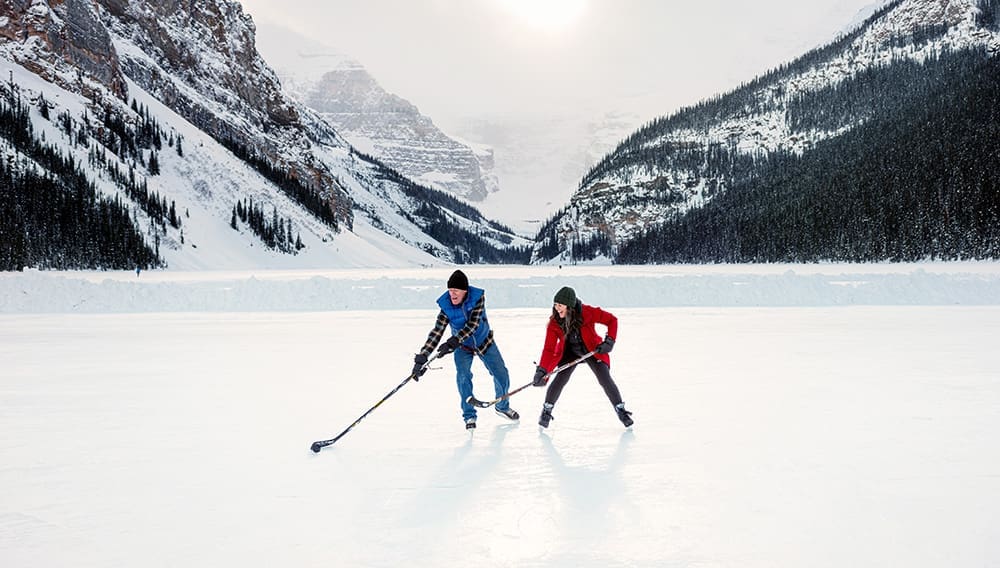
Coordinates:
column 572, row 322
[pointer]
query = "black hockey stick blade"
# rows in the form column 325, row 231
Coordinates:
column 479, row 403
column 488, row 403
column 317, row 446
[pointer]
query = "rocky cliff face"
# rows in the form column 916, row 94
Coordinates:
column 58, row 39
column 392, row 129
column 199, row 58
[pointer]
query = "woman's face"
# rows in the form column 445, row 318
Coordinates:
column 560, row 309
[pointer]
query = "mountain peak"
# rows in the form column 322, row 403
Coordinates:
column 373, row 120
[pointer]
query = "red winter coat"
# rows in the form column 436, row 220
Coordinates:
column 555, row 337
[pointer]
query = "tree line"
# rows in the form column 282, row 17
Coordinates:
column 51, row 214
column 275, row 231
column 916, row 181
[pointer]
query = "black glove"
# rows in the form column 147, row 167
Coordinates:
column 448, row 346
column 419, row 360
column 540, row 377
column 605, row 346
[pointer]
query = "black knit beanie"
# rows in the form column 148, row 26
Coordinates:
column 458, row 280
column 565, row 296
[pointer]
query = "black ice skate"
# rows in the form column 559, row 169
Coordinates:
column 624, row 415
column 546, row 416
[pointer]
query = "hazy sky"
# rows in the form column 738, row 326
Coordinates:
column 455, row 58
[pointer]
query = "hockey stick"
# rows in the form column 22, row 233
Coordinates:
column 488, row 403
column 317, row 446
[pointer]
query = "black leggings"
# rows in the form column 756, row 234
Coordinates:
column 600, row 370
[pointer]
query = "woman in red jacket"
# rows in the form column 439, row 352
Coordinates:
column 570, row 335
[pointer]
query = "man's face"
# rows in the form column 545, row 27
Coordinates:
column 456, row 295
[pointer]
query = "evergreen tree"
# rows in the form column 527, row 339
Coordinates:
column 43, row 106
column 154, row 164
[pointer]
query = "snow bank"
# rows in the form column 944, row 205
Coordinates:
column 507, row 287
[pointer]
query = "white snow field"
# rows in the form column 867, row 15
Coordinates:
column 806, row 416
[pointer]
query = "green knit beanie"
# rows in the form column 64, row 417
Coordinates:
column 565, row 296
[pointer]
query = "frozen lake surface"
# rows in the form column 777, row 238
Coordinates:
column 797, row 435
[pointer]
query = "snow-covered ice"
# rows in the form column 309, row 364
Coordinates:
column 826, row 415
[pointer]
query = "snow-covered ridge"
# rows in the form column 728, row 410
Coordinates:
column 506, row 287
column 769, row 131
column 620, row 201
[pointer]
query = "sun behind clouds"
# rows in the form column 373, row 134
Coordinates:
column 545, row 15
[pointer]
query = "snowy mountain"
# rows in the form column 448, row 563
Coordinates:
column 164, row 106
column 374, row 121
column 676, row 166
column 539, row 159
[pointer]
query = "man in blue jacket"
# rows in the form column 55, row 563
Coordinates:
column 464, row 309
